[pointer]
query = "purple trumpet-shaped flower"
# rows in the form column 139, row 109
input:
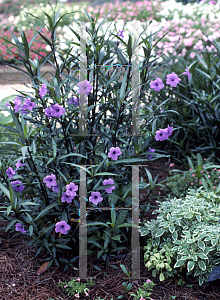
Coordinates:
column 28, row 105
column 157, row 84
column 150, row 150
column 121, row 33
column 10, row 172
column 109, row 181
column 84, row 87
column 50, row 180
column 62, row 227
column 55, row 111
column 19, row 228
column 66, row 198
column 43, row 90
column 18, row 188
column 95, row 198
column 19, row 164
column 71, row 189
column 8, row 104
column 17, row 102
column 173, row 79
column 161, row 135
column 114, row 153
column 187, row 73
column 169, row 130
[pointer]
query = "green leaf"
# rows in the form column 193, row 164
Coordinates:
column 190, row 163
column 25, row 42
column 124, row 270
column 128, row 225
column 10, row 225
column 202, row 265
column 201, row 245
column 190, row 265
column 29, row 203
column 94, row 224
column 17, row 125
column 45, row 210
column 5, row 190
column 63, row 246
column 97, row 268
column 202, row 256
column 122, row 89
column 160, row 232
column 9, row 210
column 162, row 277
column 31, row 229
column 54, row 147
column 171, row 228
column 116, row 237
column 121, row 217
column 201, row 279
column 106, row 241
column 179, row 263
column 113, row 217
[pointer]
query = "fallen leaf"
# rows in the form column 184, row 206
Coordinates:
column 43, row 268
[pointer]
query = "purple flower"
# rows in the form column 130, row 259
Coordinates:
column 48, row 112
column 114, row 153
column 109, row 181
column 62, row 227
column 58, row 110
column 161, row 135
column 19, row 164
column 173, row 79
column 95, row 198
column 55, row 188
column 50, row 180
column 121, row 33
column 84, row 87
column 67, row 198
column 73, row 100
column 19, row 188
column 28, row 104
column 157, row 84
column 71, row 189
column 169, row 130
column 148, row 281
column 187, row 73
column 10, row 172
column 43, row 90
column 17, row 102
column 8, row 104
column 151, row 150
column 19, row 228
column 55, row 111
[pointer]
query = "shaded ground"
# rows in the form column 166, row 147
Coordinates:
column 19, row 279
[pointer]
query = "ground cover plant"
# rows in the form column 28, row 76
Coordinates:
column 45, row 158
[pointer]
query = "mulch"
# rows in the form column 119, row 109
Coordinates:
column 19, row 279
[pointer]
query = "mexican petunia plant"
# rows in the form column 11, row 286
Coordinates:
column 40, row 169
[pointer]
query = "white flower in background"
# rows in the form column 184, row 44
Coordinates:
column 11, row 18
column 48, row 48
column 19, row 38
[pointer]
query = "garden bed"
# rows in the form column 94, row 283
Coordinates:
column 21, row 280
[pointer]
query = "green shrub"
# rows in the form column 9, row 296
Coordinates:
column 204, row 174
column 40, row 168
column 197, row 126
column 185, row 236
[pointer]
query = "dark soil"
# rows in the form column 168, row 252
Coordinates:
column 18, row 267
